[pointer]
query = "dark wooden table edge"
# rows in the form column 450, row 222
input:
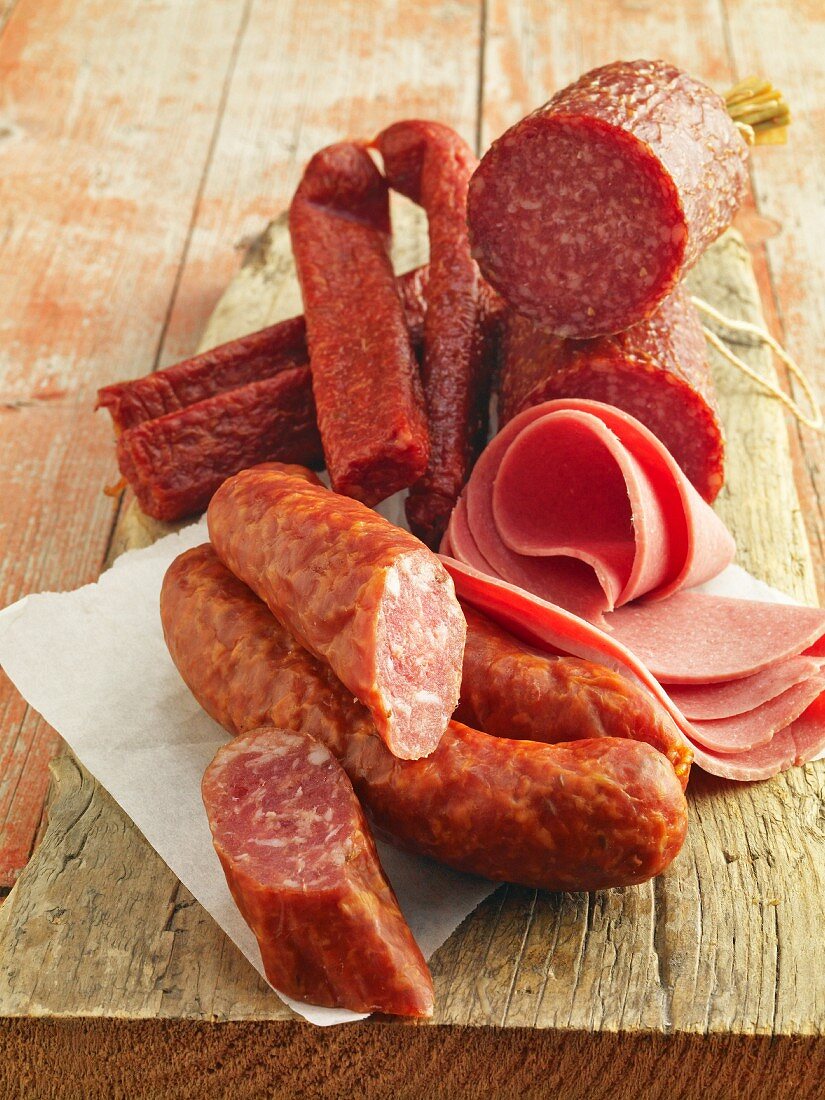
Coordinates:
column 107, row 1057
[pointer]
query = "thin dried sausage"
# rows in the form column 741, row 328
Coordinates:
column 365, row 378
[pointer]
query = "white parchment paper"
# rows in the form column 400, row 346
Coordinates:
column 93, row 662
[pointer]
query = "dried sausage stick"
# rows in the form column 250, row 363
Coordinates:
column 432, row 165
column 175, row 463
column 301, row 864
column 365, row 379
column 358, row 592
column 586, row 214
column 583, row 816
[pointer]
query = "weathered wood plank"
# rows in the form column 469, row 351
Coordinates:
column 786, row 41
column 105, row 129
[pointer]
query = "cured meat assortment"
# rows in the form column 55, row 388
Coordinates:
column 586, row 213
column 657, row 371
column 302, row 867
column 510, row 689
column 527, row 705
column 432, row 165
column 364, row 595
column 365, row 377
column 585, row 815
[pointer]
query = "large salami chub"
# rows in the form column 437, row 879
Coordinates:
column 585, row 214
column 509, row 689
column 302, row 867
column 657, row 371
column 588, row 815
column 430, row 164
column 365, row 377
column 358, row 592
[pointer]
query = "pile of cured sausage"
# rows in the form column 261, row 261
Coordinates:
column 526, row 704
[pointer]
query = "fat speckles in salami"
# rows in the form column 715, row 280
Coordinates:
column 586, row 213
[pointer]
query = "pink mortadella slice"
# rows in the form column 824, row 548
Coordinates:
column 580, row 504
column 707, row 702
column 553, row 629
column 695, row 638
column 757, row 727
column 797, row 744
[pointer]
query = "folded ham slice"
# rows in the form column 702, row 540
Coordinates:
column 579, row 532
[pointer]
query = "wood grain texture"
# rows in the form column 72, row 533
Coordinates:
column 787, row 42
column 105, row 128
column 718, row 946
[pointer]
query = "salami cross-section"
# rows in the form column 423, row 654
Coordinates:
column 360, row 593
column 585, row 214
column 581, row 816
column 302, row 867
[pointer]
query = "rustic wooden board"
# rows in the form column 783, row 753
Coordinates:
column 99, row 940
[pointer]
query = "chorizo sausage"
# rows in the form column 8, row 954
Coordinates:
column 509, row 689
column 583, row 816
column 586, row 213
column 365, row 378
column 302, row 867
column 430, row 164
column 657, row 371
column 358, row 592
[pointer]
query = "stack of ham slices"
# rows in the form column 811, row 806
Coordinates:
column 579, row 532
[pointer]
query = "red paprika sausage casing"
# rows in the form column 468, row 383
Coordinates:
column 357, row 591
column 657, row 371
column 302, row 867
column 586, row 214
column 581, row 816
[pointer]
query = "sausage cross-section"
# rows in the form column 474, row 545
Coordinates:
column 586, row 815
column 586, row 213
column 357, row 591
column 302, row 867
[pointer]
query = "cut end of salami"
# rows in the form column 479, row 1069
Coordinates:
column 602, row 215
column 586, row 214
column 302, row 867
